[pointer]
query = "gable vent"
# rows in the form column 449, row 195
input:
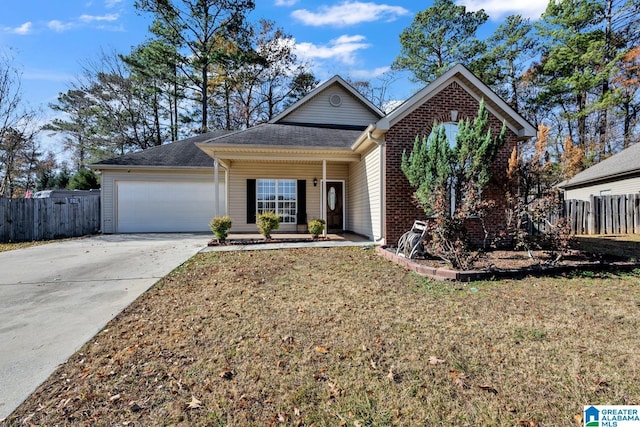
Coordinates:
column 335, row 100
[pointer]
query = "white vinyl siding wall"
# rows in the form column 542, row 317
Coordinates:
column 624, row 186
column 364, row 205
column 320, row 110
column 241, row 171
column 109, row 181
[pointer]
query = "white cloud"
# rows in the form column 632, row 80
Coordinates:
column 497, row 9
column 349, row 13
column 104, row 18
column 48, row 75
column 112, row 3
column 22, row 30
column 342, row 49
column 285, row 2
column 59, row 26
column 369, row 74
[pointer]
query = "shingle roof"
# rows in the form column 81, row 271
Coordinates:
column 292, row 135
column 625, row 162
column 182, row 153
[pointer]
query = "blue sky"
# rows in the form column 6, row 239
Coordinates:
column 50, row 39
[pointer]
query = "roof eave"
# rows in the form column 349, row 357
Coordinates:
column 569, row 184
column 101, row 167
column 284, row 153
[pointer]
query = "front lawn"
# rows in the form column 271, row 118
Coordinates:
column 343, row 337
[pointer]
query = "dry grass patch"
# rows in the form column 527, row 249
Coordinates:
column 343, row 337
column 626, row 246
column 4, row 247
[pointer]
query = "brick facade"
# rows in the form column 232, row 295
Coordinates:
column 401, row 209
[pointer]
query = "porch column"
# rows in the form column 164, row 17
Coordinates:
column 323, row 199
column 216, row 187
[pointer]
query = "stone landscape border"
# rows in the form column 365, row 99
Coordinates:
column 446, row 274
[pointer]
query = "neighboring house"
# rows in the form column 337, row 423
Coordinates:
column 618, row 174
column 331, row 155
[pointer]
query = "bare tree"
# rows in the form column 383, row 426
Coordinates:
column 18, row 148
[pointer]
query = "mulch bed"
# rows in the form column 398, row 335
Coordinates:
column 501, row 264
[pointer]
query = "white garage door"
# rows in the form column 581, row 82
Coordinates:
column 147, row 206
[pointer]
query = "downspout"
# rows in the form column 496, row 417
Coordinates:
column 380, row 143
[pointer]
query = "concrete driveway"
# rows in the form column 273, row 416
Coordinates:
column 55, row 297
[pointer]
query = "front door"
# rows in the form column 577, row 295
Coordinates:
column 335, row 208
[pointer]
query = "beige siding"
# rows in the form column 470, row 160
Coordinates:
column 109, row 196
column 319, row 110
column 624, row 186
column 240, row 172
column 364, row 203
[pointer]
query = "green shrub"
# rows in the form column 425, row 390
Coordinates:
column 316, row 226
column 220, row 225
column 268, row 222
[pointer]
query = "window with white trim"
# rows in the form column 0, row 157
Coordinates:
column 451, row 130
column 279, row 196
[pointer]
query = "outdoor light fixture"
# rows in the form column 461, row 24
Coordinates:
column 454, row 115
column 315, row 182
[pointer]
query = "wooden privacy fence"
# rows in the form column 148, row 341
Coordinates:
column 24, row 220
column 619, row 214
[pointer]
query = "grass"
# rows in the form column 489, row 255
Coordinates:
column 625, row 246
column 342, row 337
column 4, row 247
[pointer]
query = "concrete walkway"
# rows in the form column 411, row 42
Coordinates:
column 288, row 241
column 55, row 297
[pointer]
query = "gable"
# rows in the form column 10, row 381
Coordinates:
column 464, row 86
column 332, row 106
column 333, row 103
column 451, row 104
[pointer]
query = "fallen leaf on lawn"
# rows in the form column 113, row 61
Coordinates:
column 134, row 407
column 391, row 375
column 433, row 360
column 334, row 390
column 114, row 397
column 458, row 379
column 194, row 404
column 528, row 423
column 578, row 418
column 489, row 389
column 321, row 376
column 226, row 375
column 26, row 419
column 322, row 350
